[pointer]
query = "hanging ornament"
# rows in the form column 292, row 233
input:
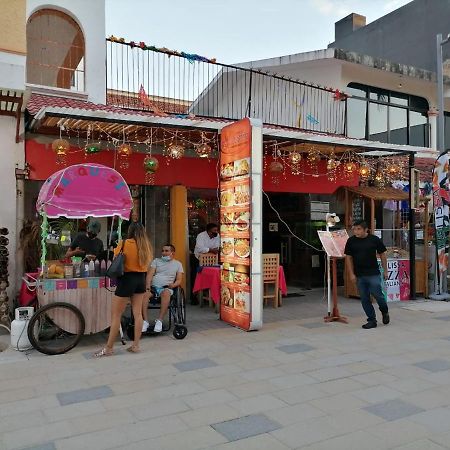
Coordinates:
column 92, row 148
column 151, row 165
column 295, row 159
column 203, row 150
column 379, row 179
column 332, row 165
column 124, row 152
column 61, row 148
column 364, row 171
column 313, row 158
column 276, row 168
column 175, row 150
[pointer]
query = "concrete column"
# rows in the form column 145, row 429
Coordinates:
column 179, row 226
column 432, row 117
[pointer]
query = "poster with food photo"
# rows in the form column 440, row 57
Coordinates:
column 235, row 223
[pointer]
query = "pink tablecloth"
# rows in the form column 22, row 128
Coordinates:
column 209, row 278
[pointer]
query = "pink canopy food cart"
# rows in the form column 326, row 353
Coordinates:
column 72, row 306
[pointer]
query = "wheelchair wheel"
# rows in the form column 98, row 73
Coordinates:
column 181, row 308
column 56, row 328
column 180, row 332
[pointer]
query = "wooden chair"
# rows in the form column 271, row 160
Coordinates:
column 271, row 264
column 207, row 259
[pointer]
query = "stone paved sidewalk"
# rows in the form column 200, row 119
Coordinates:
column 296, row 384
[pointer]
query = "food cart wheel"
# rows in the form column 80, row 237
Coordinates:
column 180, row 332
column 56, row 328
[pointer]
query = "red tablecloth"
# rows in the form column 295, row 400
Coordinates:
column 209, row 278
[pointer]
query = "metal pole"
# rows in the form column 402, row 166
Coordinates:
column 412, row 235
column 440, row 94
column 328, row 280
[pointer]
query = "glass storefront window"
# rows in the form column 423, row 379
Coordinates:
column 157, row 216
column 356, row 118
column 378, row 122
column 418, row 129
column 398, row 125
column 391, row 117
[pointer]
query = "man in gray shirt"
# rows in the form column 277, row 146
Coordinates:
column 166, row 273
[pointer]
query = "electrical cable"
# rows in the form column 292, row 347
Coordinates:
column 287, row 226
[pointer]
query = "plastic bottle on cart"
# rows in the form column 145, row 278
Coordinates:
column 108, row 264
column 86, row 270
column 103, row 267
column 91, row 268
column 97, row 267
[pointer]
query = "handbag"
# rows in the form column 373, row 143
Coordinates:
column 117, row 267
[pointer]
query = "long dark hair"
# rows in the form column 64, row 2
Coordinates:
column 137, row 232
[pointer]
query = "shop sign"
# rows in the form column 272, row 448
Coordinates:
column 397, row 285
column 240, row 224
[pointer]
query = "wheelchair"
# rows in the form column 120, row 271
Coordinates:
column 176, row 314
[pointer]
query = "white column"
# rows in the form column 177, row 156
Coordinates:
column 432, row 117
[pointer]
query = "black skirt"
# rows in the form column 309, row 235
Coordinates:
column 131, row 283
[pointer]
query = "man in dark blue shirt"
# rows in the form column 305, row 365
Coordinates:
column 361, row 253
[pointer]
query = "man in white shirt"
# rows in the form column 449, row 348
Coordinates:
column 208, row 241
column 166, row 273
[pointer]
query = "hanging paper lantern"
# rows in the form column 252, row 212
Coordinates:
column 350, row 167
column 332, row 165
column 61, row 148
column 124, row 152
column 175, row 151
column 276, row 167
column 151, row 165
column 204, row 150
column 364, row 171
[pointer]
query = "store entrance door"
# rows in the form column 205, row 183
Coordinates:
column 303, row 266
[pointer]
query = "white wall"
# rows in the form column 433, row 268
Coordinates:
column 90, row 15
column 12, row 71
column 10, row 205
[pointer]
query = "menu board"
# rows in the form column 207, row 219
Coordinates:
column 235, row 224
column 334, row 242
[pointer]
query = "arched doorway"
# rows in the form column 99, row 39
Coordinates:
column 55, row 50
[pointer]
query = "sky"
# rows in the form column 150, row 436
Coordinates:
column 235, row 31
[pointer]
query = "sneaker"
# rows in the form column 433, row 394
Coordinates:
column 158, row 326
column 386, row 318
column 369, row 325
column 145, row 326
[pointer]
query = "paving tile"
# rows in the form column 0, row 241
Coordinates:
column 295, row 348
column 444, row 318
column 258, row 404
column 84, row 395
column 207, row 415
column 377, row 394
column 422, row 444
column 48, row 446
column 73, row 410
column 330, row 373
column 195, row 364
column 198, row 438
column 337, row 403
column 247, row 426
column 434, row 365
column 436, row 420
column 352, row 441
column 294, row 414
column 306, row 433
column 399, row 432
column 313, row 325
column 209, row 398
column 300, row 394
column 393, row 409
column 260, row 442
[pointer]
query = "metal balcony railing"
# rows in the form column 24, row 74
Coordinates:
column 169, row 82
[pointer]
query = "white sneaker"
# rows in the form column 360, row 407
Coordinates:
column 145, row 326
column 158, row 326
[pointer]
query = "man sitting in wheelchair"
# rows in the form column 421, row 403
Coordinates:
column 165, row 274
